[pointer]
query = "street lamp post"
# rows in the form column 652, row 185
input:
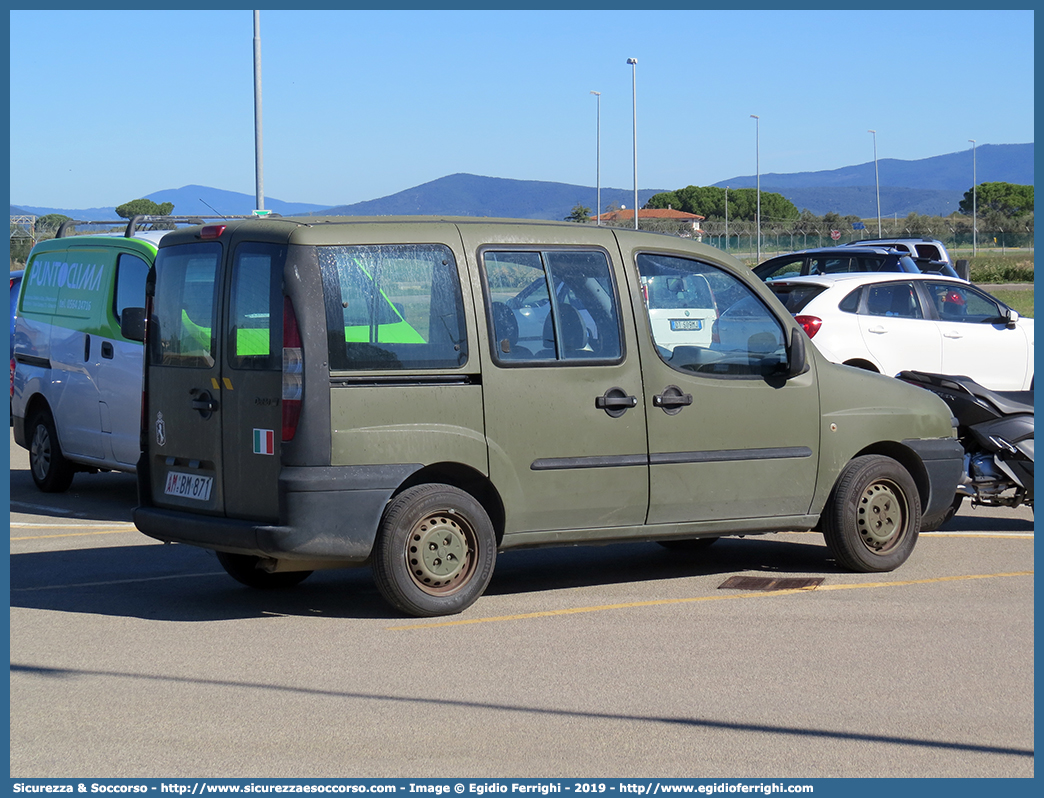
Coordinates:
column 757, row 160
column 598, row 157
column 726, row 218
column 877, row 179
column 259, row 169
column 975, row 222
column 634, row 105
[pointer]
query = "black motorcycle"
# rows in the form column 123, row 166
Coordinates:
column 996, row 430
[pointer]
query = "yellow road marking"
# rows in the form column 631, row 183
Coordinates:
column 108, row 530
column 690, row 599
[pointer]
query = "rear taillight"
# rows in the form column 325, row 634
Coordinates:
column 810, row 324
column 293, row 371
column 211, row 231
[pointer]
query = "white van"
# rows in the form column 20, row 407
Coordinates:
column 75, row 379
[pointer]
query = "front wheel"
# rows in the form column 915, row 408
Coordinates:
column 243, row 568
column 873, row 515
column 435, row 551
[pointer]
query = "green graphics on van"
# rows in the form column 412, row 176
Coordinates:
column 67, row 284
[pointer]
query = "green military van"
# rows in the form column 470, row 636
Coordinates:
column 417, row 394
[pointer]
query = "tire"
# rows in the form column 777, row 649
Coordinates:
column 946, row 517
column 435, row 551
column 873, row 515
column 243, row 568
column 51, row 472
column 688, row 544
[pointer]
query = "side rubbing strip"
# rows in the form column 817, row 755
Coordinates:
column 608, row 461
column 726, row 455
column 671, row 458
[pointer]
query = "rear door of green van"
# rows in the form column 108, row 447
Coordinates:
column 213, row 414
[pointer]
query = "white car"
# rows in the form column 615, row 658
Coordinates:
column 892, row 322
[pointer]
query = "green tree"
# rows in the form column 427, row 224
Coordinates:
column 709, row 202
column 143, row 207
column 1010, row 199
column 47, row 226
column 580, row 214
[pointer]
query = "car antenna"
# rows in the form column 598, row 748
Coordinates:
column 212, row 208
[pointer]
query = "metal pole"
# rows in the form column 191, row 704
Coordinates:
column 634, row 105
column 726, row 218
column 975, row 223
column 259, row 169
column 757, row 160
column 877, row 178
column 598, row 157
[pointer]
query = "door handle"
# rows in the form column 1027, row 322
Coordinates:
column 203, row 402
column 107, row 351
column 952, row 334
column 86, row 348
column 878, row 329
column 615, row 402
column 672, row 400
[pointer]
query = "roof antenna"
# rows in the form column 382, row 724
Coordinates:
column 212, row 208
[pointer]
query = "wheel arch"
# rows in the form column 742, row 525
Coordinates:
column 464, row 478
column 862, row 363
column 909, row 460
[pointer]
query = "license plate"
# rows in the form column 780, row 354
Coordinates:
column 188, row 486
column 686, row 324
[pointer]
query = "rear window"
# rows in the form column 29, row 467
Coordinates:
column 183, row 312
column 795, row 297
column 395, row 306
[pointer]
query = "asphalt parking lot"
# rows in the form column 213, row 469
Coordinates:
column 130, row 658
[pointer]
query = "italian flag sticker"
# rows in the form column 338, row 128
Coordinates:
column 264, row 441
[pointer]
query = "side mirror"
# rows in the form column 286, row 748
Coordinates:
column 1011, row 318
column 797, row 357
column 132, row 324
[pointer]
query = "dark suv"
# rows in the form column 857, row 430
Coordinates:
column 841, row 260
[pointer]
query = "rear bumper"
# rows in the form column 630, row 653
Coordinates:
column 943, row 461
column 326, row 513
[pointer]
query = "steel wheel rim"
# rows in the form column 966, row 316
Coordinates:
column 40, row 452
column 882, row 516
column 440, row 553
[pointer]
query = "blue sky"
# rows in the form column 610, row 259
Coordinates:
column 108, row 106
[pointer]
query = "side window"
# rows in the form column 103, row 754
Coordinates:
column 783, row 267
column 255, row 307
column 131, row 273
column 552, row 305
column 963, row 303
column 850, row 304
column 898, row 300
column 728, row 331
column 393, row 306
column 183, row 313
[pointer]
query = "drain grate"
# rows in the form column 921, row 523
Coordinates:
column 769, row 583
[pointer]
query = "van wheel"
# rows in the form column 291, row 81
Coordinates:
column 873, row 515
column 688, row 544
column 435, row 551
column 51, row 472
column 243, row 568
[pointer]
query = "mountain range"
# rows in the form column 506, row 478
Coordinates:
column 930, row 186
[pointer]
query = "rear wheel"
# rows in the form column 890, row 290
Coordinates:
column 435, row 551
column 244, row 569
column 51, row 472
column 873, row 515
